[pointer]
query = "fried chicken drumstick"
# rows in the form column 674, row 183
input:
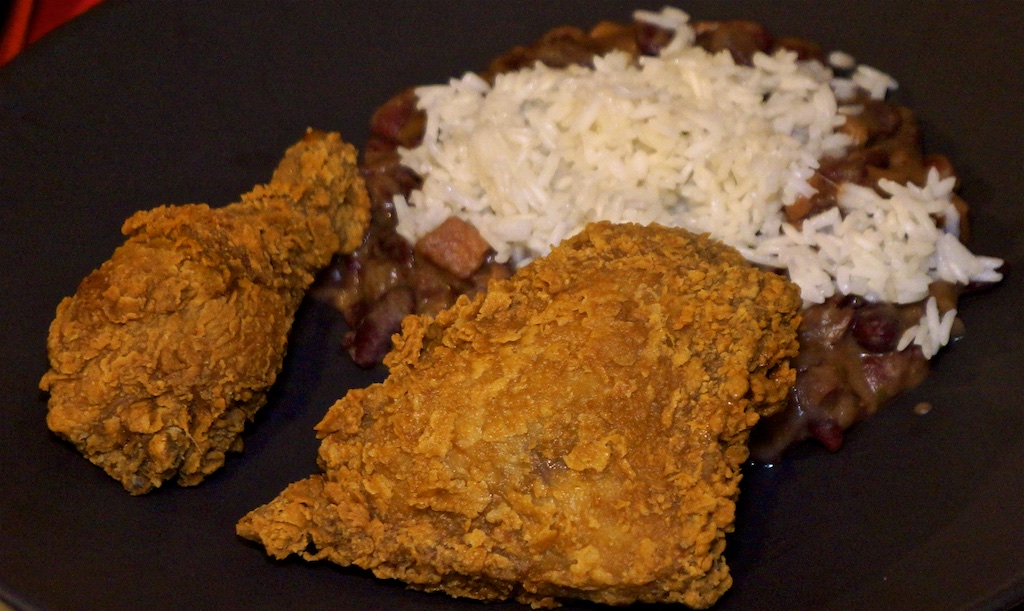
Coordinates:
column 576, row 431
column 167, row 349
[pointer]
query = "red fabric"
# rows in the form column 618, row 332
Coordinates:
column 30, row 20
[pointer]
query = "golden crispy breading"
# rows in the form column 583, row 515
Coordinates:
column 577, row 431
column 167, row 349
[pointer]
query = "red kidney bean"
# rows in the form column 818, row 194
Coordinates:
column 742, row 39
column 828, row 432
column 651, row 39
column 876, row 327
column 371, row 339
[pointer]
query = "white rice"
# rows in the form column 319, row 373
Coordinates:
column 685, row 139
column 841, row 60
column 932, row 333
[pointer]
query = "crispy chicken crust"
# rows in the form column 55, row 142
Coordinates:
column 167, row 349
column 576, row 431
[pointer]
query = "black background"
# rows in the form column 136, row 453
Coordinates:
column 137, row 104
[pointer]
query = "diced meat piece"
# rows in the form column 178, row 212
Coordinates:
column 456, row 246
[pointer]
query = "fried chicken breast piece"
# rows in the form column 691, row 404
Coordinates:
column 577, row 431
column 166, row 350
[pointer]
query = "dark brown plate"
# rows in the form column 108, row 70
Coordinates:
column 143, row 103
